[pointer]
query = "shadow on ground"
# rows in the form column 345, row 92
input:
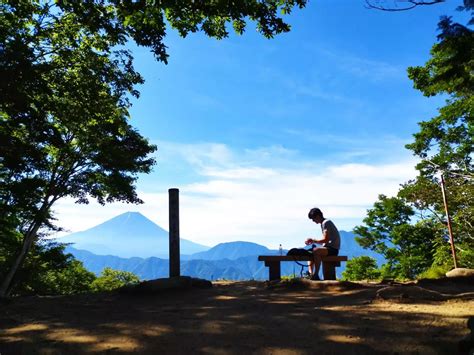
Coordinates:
column 240, row 318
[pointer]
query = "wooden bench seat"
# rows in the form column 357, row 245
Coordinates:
column 273, row 263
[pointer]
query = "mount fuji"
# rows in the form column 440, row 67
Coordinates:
column 130, row 234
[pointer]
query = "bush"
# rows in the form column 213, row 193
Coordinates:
column 466, row 255
column 361, row 268
column 47, row 270
column 435, row 272
column 111, row 279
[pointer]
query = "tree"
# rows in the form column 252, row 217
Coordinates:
column 361, row 268
column 146, row 21
column 445, row 143
column 64, row 130
column 389, row 230
column 111, row 279
column 47, row 270
column 410, row 230
column 64, row 99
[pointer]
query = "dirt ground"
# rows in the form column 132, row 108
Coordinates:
column 299, row 317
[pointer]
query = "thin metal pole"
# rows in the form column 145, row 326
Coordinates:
column 174, row 232
column 451, row 238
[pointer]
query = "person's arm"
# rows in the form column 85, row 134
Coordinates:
column 325, row 239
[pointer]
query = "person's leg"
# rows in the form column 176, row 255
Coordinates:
column 318, row 253
column 310, row 268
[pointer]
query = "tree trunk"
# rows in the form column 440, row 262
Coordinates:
column 30, row 236
column 27, row 242
column 48, row 200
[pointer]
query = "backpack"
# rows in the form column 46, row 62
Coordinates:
column 299, row 252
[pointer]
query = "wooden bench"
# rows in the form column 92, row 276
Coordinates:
column 329, row 264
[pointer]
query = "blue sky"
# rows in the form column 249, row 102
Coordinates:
column 255, row 132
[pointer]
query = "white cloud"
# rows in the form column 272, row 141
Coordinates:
column 267, row 205
column 367, row 68
column 364, row 146
column 198, row 154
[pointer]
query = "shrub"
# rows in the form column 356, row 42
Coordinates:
column 361, row 268
column 435, row 272
column 111, row 279
column 47, row 270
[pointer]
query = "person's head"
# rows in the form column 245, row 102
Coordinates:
column 316, row 215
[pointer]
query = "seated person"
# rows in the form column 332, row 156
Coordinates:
column 330, row 241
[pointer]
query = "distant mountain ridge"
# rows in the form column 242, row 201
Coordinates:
column 131, row 242
column 128, row 235
column 243, row 268
column 229, row 261
column 232, row 251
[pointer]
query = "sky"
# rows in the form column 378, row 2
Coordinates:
column 256, row 132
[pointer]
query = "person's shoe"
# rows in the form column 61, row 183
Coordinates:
column 307, row 275
column 315, row 277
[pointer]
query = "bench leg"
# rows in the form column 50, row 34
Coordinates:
column 329, row 270
column 274, row 270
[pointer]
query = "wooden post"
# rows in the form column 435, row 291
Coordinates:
column 450, row 230
column 174, row 232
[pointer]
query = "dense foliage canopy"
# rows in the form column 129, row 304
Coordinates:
column 64, row 98
column 410, row 230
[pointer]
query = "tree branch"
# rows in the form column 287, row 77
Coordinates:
column 411, row 5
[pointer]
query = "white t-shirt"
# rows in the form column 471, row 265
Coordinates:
column 334, row 237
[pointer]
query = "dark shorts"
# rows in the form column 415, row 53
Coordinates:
column 332, row 251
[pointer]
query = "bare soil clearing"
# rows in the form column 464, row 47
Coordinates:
column 300, row 317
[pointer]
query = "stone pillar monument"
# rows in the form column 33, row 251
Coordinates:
column 174, row 232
